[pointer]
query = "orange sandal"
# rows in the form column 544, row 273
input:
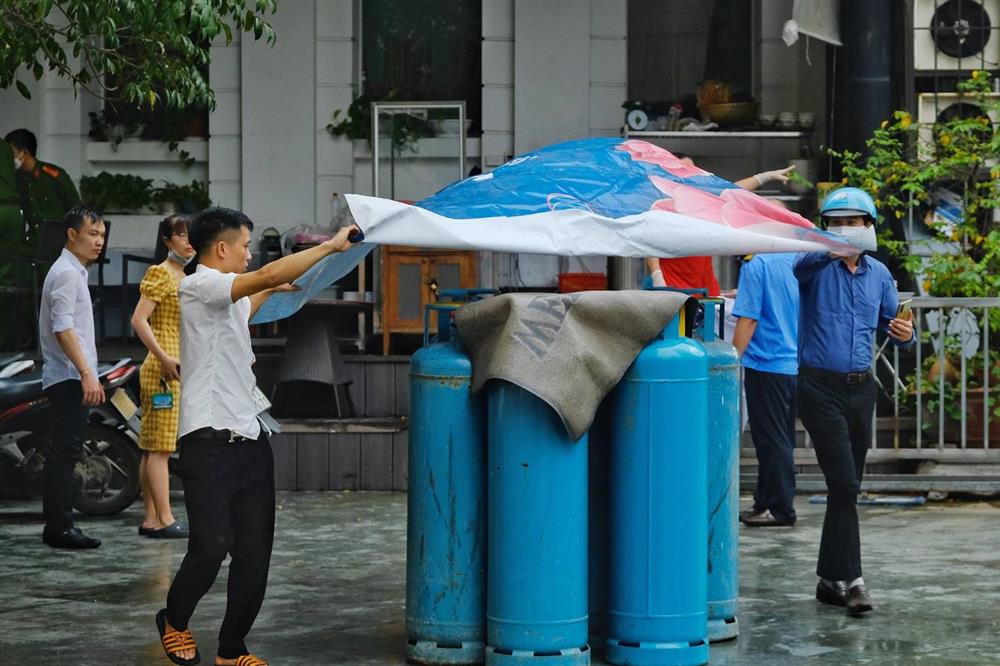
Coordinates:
column 250, row 660
column 174, row 642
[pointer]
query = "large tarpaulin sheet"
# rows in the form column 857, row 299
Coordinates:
column 592, row 197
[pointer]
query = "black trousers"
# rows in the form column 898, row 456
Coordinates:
column 771, row 412
column 838, row 417
column 60, row 483
column 229, row 497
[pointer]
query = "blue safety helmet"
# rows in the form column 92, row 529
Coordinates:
column 849, row 202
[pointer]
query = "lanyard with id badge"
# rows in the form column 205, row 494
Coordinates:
column 163, row 399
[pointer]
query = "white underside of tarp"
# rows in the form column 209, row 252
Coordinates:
column 653, row 233
column 567, row 232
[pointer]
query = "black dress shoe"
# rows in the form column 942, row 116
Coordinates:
column 833, row 593
column 765, row 519
column 858, row 601
column 69, row 538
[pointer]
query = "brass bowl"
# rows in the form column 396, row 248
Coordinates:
column 730, row 114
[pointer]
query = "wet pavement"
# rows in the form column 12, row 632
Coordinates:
column 337, row 588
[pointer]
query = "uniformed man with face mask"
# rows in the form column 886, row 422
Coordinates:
column 15, row 270
column 11, row 223
column 844, row 300
column 45, row 190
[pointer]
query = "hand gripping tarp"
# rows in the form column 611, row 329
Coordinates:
column 592, row 197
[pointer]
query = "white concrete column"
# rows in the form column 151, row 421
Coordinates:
column 608, row 66
column 335, row 58
column 778, row 63
column 278, row 114
column 225, row 123
column 551, row 72
column 498, row 81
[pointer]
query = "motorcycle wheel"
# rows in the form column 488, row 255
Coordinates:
column 109, row 469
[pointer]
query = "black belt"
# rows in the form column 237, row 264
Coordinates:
column 213, row 435
column 851, row 378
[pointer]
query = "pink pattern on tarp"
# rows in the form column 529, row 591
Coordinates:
column 688, row 200
column 643, row 151
column 736, row 208
column 749, row 201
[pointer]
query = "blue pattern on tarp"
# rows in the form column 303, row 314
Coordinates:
column 593, row 174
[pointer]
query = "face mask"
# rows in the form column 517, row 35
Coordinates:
column 861, row 237
column 183, row 261
column 17, row 163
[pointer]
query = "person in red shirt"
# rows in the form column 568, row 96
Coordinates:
column 697, row 272
column 684, row 273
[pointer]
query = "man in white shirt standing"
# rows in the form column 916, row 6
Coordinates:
column 226, row 461
column 69, row 372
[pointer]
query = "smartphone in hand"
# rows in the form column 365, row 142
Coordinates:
column 904, row 311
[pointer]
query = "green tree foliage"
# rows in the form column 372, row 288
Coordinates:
column 143, row 52
column 907, row 166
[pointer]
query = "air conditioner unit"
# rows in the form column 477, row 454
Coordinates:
column 950, row 35
column 935, row 108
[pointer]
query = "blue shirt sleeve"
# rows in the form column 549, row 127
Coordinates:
column 810, row 263
column 888, row 308
column 750, row 292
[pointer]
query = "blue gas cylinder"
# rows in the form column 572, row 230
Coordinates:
column 657, row 514
column 723, row 477
column 597, row 527
column 446, row 510
column 536, row 597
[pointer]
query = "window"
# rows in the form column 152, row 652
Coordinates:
column 153, row 124
column 673, row 45
column 423, row 50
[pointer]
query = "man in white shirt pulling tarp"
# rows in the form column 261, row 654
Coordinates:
column 226, row 461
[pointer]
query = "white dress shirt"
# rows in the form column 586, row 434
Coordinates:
column 217, row 379
column 65, row 305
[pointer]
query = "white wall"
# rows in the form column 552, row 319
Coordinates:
column 278, row 97
column 552, row 71
column 336, row 63
column 225, row 124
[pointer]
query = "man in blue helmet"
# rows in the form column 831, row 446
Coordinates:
column 844, row 299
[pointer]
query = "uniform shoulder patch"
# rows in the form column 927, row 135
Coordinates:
column 50, row 171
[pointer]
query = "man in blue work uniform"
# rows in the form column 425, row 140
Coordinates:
column 766, row 335
column 843, row 301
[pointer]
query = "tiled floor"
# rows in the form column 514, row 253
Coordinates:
column 337, row 589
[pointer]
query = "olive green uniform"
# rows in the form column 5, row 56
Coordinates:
column 13, row 273
column 46, row 193
column 11, row 222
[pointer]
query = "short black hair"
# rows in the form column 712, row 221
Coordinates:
column 23, row 139
column 212, row 222
column 75, row 217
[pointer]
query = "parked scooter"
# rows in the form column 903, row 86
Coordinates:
column 108, row 471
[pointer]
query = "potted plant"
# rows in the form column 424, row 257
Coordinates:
column 102, row 128
column 356, row 123
column 171, row 198
column 116, row 193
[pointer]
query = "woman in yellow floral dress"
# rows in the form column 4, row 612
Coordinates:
column 156, row 321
